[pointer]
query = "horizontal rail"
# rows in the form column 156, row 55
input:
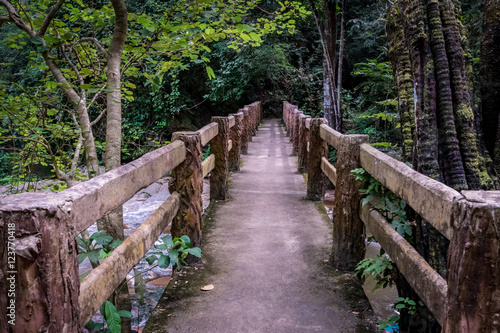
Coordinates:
column 329, row 170
column 428, row 197
column 229, row 145
column 208, row 133
column 94, row 198
column 308, row 123
column 105, row 278
column 208, row 165
column 330, row 135
column 427, row 283
column 232, row 121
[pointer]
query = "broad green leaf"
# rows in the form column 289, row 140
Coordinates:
column 112, row 317
column 195, row 251
column 164, row 261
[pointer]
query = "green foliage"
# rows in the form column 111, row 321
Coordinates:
column 379, row 269
column 393, row 321
column 5, row 167
column 206, row 152
column 178, row 249
column 97, row 247
column 162, row 41
column 372, row 106
column 393, row 209
column 390, row 206
column 112, row 318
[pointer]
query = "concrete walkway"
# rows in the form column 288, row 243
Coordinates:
column 265, row 251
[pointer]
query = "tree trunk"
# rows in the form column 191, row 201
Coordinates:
column 401, row 66
column 328, row 33
column 339, row 69
column 429, row 63
column 329, row 43
column 114, row 220
column 490, row 80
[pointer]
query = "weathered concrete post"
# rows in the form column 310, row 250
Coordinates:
column 261, row 113
column 286, row 107
column 244, row 131
column 303, row 140
column 249, row 122
column 348, row 229
column 292, row 122
column 236, row 134
column 219, row 146
column 474, row 264
column 316, row 180
column 296, row 134
column 39, row 278
column 255, row 117
column 187, row 180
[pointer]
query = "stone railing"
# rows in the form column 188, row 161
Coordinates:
column 39, row 276
column 469, row 299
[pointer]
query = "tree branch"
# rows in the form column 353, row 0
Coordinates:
column 103, row 112
column 90, row 39
column 16, row 19
column 49, row 18
column 76, row 157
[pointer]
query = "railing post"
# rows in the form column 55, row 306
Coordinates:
column 39, row 278
column 348, row 229
column 316, row 180
column 291, row 122
column 296, row 133
column 303, row 140
column 244, row 131
column 236, row 135
column 187, row 180
column 286, row 111
column 255, row 117
column 260, row 112
column 473, row 272
column 219, row 146
column 249, row 123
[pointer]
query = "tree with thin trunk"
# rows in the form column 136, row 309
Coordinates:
column 327, row 29
column 113, row 222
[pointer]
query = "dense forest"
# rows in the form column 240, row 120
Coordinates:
column 86, row 86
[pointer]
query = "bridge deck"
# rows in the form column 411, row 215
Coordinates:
column 265, row 252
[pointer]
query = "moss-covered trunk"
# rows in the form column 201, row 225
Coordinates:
column 401, row 66
column 490, row 80
column 428, row 50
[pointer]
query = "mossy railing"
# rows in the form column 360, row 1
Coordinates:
column 39, row 275
column 469, row 299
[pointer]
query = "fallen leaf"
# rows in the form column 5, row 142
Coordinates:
column 207, row 287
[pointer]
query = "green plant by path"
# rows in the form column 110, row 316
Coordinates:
column 389, row 205
column 99, row 246
column 393, row 321
column 178, row 249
